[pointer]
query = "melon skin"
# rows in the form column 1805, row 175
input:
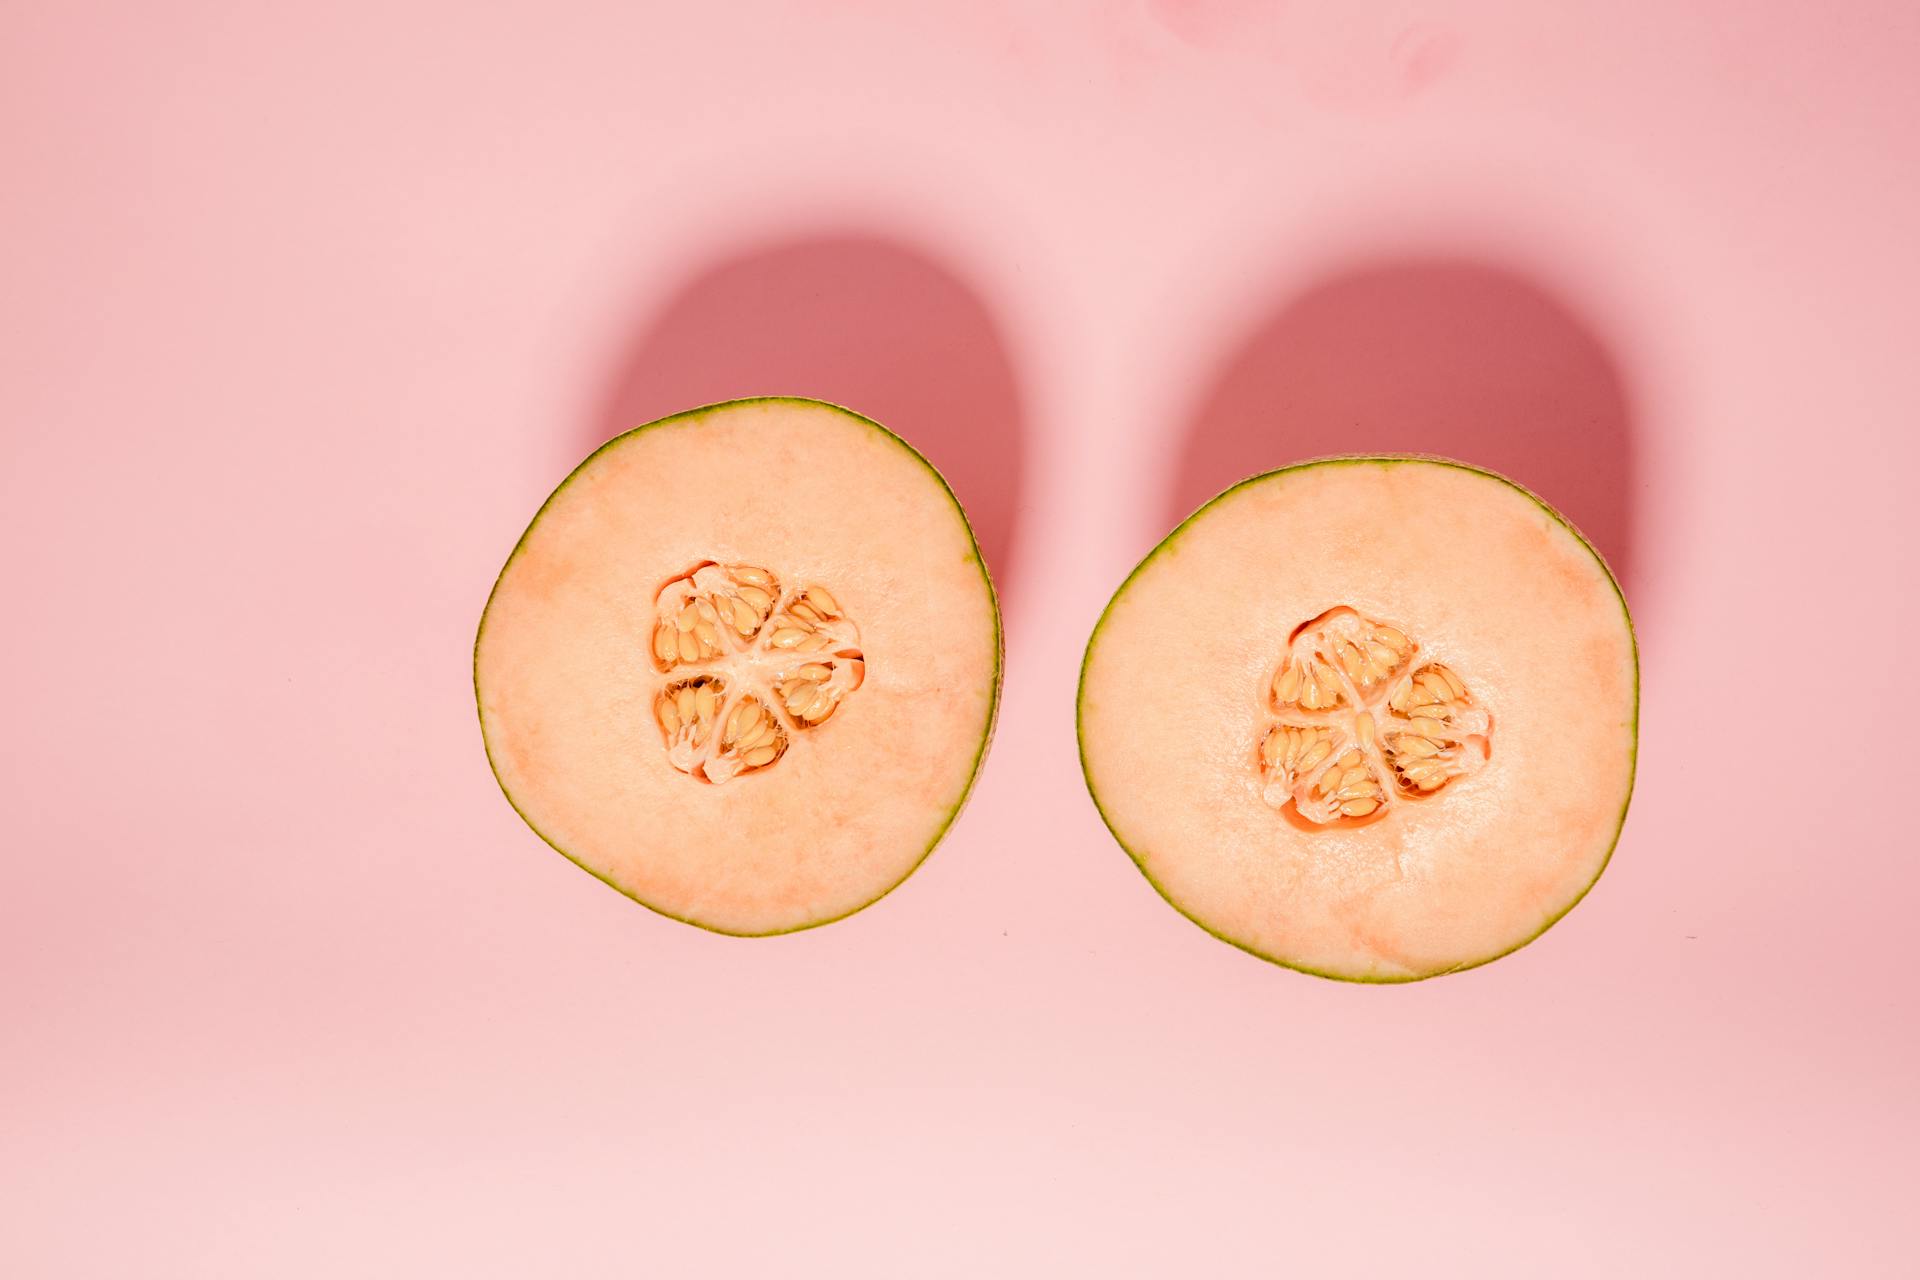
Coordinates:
column 1239, row 925
column 700, row 895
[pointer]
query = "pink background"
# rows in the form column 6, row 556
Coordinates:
column 304, row 311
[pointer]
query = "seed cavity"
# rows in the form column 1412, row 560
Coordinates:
column 1361, row 721
column 749, row 666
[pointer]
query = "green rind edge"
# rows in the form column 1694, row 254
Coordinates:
column 1382, row 459
column 993, row 709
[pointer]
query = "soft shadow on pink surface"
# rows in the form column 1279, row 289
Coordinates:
column 1458, row 358
column 859, row 320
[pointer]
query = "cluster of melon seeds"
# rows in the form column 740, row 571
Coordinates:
column 749, row 666
column 1363, row 721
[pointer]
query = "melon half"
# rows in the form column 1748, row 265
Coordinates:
column 1373, row 718
column 744, row 665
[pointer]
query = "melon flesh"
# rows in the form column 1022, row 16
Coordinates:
column 1440, row 853
column 874, row 758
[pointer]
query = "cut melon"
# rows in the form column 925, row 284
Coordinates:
column 744, row 665
column 1371, row 718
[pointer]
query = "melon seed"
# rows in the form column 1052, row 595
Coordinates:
column 1372, row 713
column 729, row 622
column 751, row 576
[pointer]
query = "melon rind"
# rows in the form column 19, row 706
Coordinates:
column 1172, row 538
column 993, row 710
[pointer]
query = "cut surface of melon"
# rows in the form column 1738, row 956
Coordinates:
column 1371, row 718
column 743, row 665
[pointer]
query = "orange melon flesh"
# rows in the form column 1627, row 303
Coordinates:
column 570, row 694
column 1178, row 693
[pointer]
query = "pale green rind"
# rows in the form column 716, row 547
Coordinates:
column 1388, row 459
column 993, row 708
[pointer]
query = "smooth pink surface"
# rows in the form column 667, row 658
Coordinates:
column 304, row 312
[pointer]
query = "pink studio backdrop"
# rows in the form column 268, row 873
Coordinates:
column 305, row 308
